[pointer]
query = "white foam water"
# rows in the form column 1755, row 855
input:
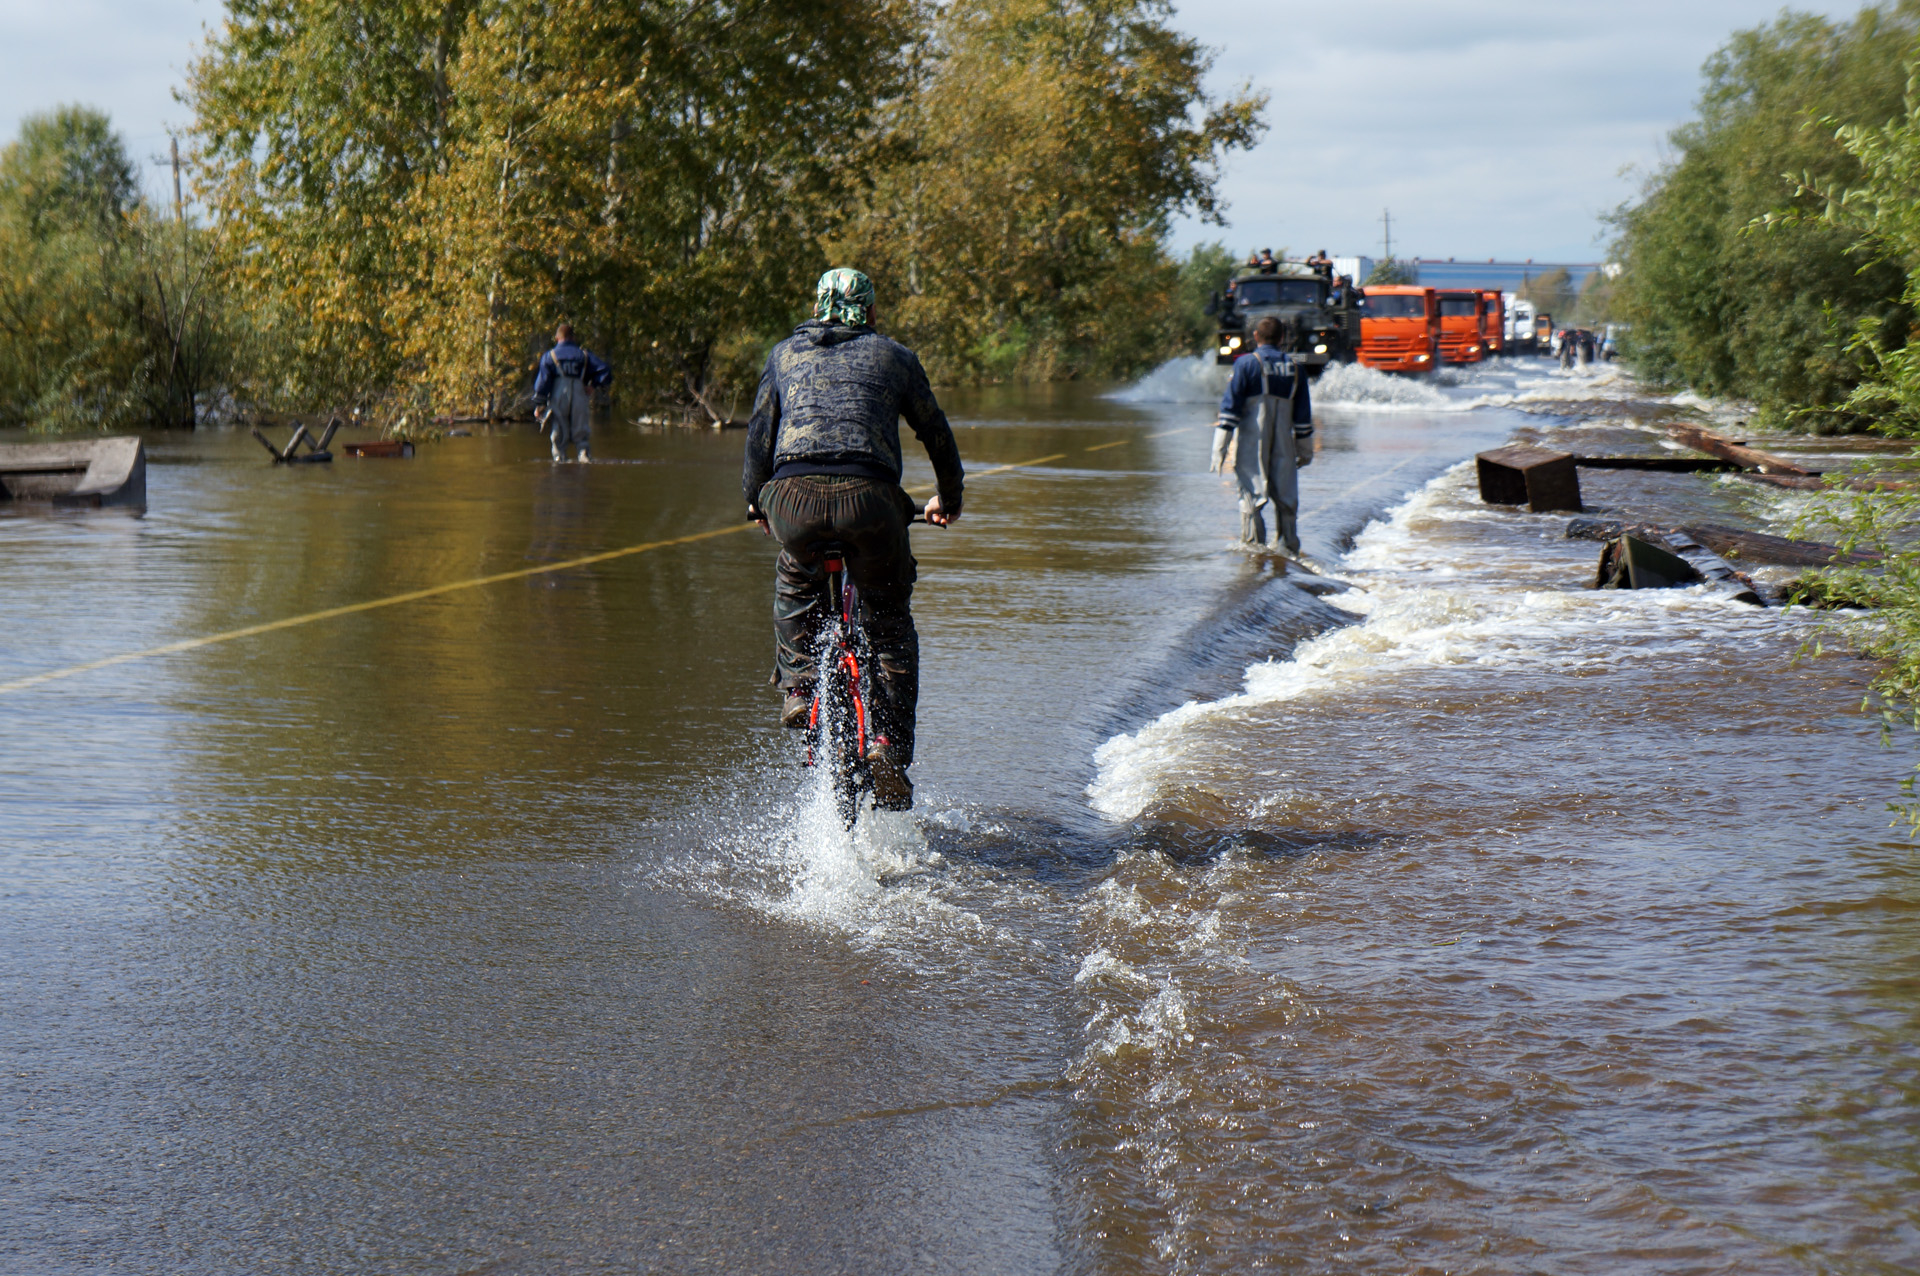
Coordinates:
column 1188, row 379
column 1430, row 601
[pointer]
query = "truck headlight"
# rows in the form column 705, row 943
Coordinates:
column 1233, row 343
column 1319, row 349
column 1226, row 349
column 1421, row 358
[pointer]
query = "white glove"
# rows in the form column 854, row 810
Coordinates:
column 1222, row 440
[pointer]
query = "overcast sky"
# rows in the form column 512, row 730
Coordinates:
column 1493, row 128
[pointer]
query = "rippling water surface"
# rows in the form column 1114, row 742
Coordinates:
column 1433, row 914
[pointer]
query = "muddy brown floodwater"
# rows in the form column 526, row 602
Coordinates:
column 1442, row 915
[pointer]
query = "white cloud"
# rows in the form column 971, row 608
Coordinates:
column 1503, row 133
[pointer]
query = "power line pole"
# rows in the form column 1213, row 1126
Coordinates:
column 177, row 209
column 1386, row 219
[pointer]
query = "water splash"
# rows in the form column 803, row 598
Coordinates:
column 1356, row 385
column 1189, row 379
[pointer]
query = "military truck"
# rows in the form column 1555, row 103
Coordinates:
column 1314, row 330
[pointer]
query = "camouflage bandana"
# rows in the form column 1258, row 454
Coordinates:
column 844, row 296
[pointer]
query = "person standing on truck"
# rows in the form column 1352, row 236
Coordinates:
column 823, row 465
column 1321, row 264
column 563, row 394
column 1264, row 434
column 1268, row 266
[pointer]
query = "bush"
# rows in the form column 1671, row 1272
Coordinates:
column 1732, row 310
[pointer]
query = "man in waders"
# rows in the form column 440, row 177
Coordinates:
column 1264, row 435
column 823, row 464
column 563, row 393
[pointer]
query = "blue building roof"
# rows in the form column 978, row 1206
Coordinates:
column 1505, row 275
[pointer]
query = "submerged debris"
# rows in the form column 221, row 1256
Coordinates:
column 92, row 472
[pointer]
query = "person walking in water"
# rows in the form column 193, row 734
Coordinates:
column 563, row 393
column 1264, row 435
column 823, row 465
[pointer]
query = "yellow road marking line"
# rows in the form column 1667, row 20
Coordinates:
column 1101, row 447
column 1176, row 430
column 394, row 600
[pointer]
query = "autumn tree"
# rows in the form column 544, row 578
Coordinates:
column 316, row 125
column 1028, row 179
column 659, row 176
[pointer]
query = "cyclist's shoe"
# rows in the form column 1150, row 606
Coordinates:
column 892, row 790
column 798, row 708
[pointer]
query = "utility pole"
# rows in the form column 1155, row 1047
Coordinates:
column 1386, row 219
column 178, row 211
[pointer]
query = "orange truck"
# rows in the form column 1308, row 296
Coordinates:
column 1460, row 339
column 1493, row 322
column 1400, row 328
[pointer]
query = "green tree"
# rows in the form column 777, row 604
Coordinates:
column 316, row 123
column 1765, row 316
column 661, row 180
column 1028, row 181
column 1551, row 293
column 108, row 313
column 67, row 172
column 1393, row 271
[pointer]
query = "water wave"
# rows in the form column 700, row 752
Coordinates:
column 1431, row 600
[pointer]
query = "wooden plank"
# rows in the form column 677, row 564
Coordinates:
column 1732, row 543
column 1727, row 450
column 1539, row 478
column 1663, row 464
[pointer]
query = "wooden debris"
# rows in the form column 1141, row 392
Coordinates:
column 1728, row 542
column 400, row 448
column 1668, row 562
column 91, row 472
column 1631, row 563
column 1664, row 464
column 1544, row 481
column 1727, row 450
column 289, row 455
column 1809, row 483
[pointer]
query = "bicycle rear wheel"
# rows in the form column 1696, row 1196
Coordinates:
column 843, row 730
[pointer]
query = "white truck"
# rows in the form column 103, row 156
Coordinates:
column 1520, row 335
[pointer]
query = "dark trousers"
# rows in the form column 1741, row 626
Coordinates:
column 869, row 517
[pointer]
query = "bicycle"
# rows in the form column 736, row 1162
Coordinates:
column 840, row 723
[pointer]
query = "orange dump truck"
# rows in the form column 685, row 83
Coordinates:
column 1493, row 322
column 1400, row 328
column 1460, row 339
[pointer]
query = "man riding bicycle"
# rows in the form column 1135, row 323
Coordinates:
column 823, row 466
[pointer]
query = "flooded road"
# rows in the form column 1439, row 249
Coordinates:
column 1440, row 915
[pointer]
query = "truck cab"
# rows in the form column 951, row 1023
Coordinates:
column 1493, row 322
column 1315, row 330
column 1400, row 328
column 1520, row 336
column 1460, row 318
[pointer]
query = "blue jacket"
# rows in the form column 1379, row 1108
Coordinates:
column 1245, row 385
column 568, row 359
column 830, row 402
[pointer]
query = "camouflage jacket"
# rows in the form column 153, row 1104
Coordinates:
column 830, row 402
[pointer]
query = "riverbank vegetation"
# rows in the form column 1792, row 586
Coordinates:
column 1736, row 284
column 109, row 311
column 1777, row 260
column 396, row 203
